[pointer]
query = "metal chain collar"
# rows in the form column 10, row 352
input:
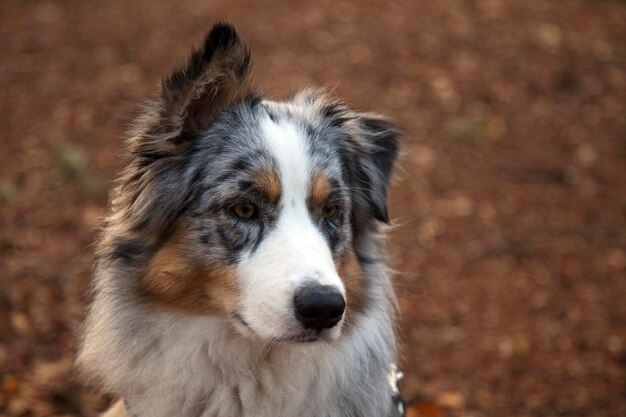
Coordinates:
column 397, row 405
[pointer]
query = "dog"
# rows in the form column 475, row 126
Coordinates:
column 241, row 270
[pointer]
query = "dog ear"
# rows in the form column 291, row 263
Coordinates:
column 376, row 143
column 377, row 146
column 216, row 77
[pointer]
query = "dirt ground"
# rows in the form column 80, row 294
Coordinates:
column 510, row 206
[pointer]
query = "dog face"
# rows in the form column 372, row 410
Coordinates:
column 237, row 206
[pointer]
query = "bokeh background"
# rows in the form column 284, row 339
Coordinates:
column 510, row 203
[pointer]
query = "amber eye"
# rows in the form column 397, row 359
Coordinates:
column 329, row 211
column 244, row 210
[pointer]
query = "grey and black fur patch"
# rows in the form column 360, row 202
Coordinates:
column 160, row 180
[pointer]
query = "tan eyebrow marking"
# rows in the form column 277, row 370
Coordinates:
column 267, row 182
column 321, row 188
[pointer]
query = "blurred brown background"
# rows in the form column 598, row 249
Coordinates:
column 510, row 205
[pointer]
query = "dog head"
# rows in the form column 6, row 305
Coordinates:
column 237, row 206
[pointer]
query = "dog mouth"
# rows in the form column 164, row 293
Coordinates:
column 239, row 319
column 306, row 336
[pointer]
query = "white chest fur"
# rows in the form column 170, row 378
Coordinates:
column 168, row 365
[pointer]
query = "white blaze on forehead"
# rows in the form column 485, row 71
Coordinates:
column 299, row 239
column 294, row 251
column 289, row 148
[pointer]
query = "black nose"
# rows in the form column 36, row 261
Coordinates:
column 319, row 306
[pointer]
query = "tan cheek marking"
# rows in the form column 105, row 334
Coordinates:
column 354, row 281
column 175, row 280
column 320, row 190
column 268, row 182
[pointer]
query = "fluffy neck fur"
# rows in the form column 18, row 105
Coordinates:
column 166, row 364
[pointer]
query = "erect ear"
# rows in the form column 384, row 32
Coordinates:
column 375, row 142
column 157, row 182
column 216, row 77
